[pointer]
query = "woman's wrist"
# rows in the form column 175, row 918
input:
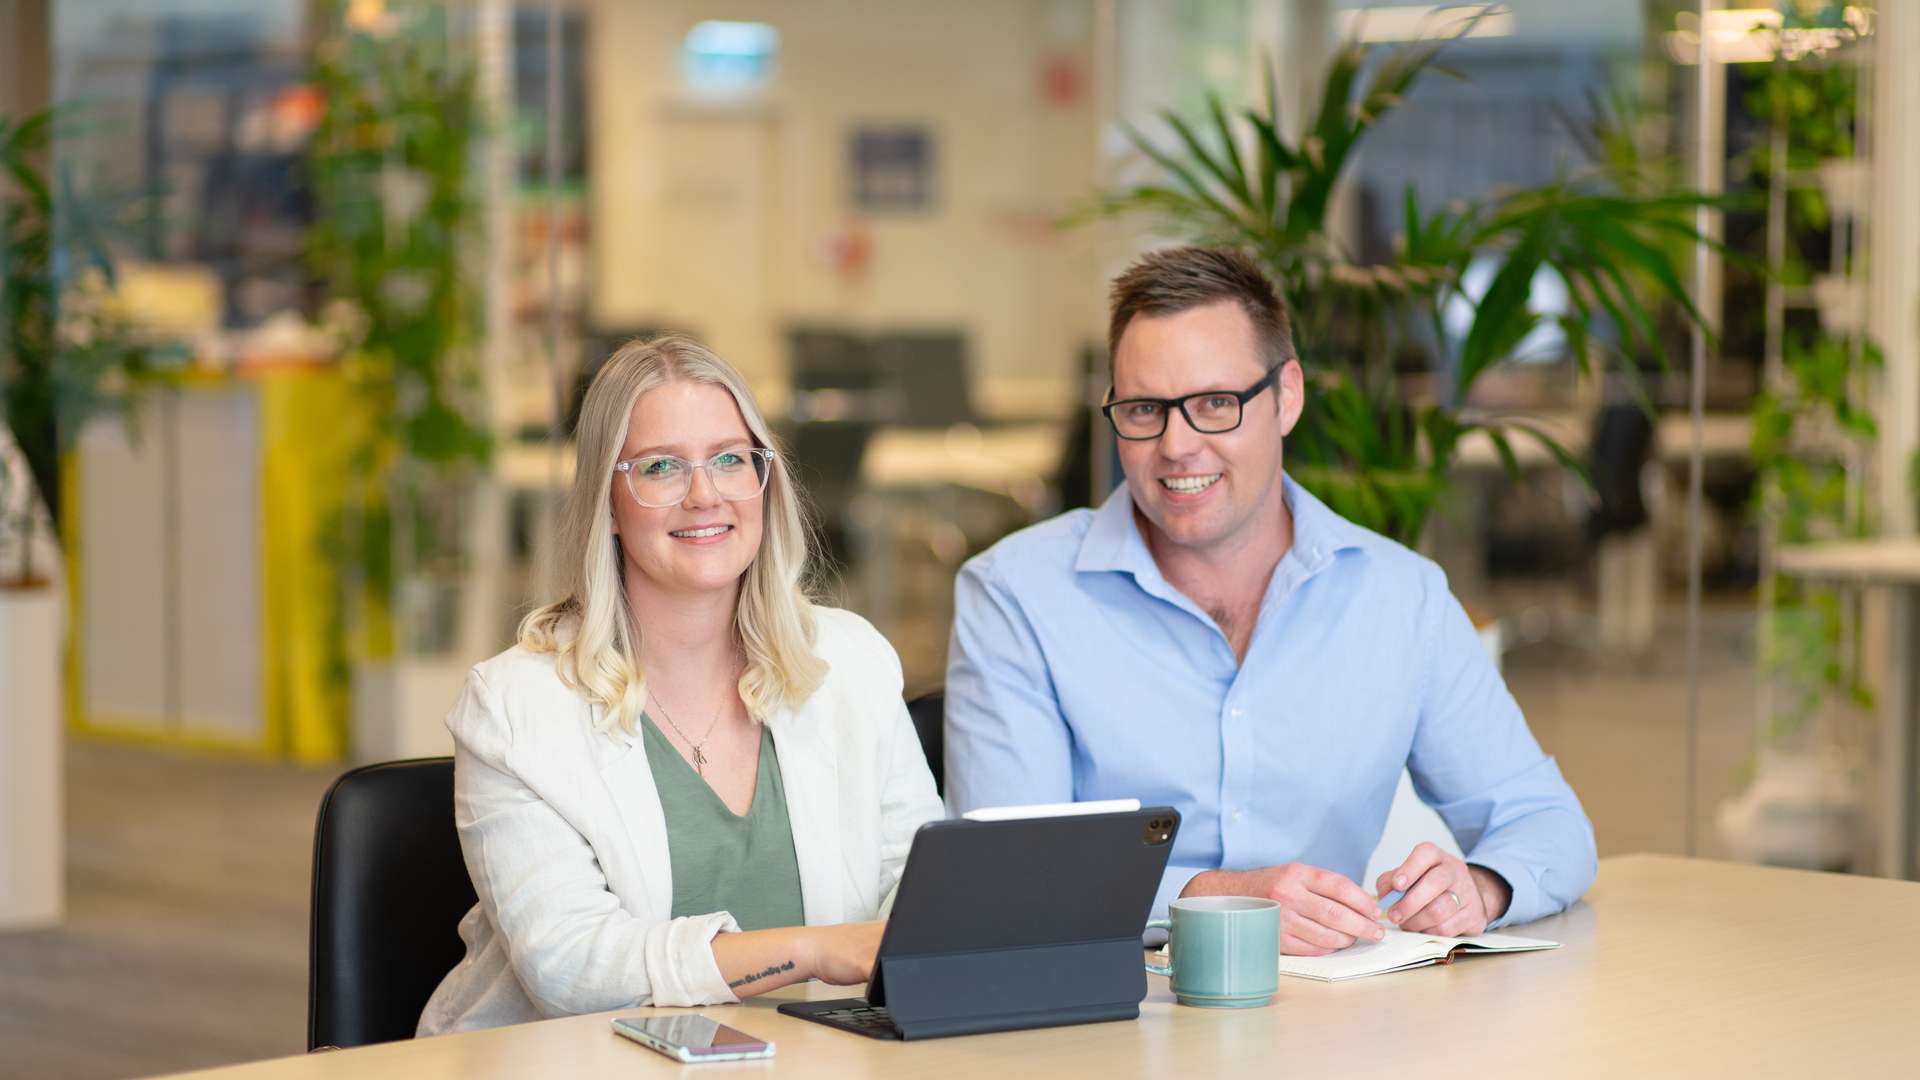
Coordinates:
column 806, row 952
column 755, row 961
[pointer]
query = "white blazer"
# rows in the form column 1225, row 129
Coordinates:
column 566, row 842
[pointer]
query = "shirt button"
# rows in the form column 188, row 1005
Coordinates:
column 1237, row 712
column 1238, row 813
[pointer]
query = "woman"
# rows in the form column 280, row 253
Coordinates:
column 686, row 783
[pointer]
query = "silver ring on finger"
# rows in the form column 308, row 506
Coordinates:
column 1455, row 897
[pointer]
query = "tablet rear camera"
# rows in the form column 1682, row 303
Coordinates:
column 1158, row 832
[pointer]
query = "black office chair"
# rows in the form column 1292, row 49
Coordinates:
column 389, row 891
column 929, row 712
column 596, row 346
column 930, row 370
column 1623, row 437
column 825, row 459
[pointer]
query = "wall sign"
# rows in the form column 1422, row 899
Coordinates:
column 892, row 168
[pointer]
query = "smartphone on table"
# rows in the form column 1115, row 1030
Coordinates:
column 690, row 1037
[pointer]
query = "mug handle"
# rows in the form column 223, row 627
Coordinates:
column 1160, row 969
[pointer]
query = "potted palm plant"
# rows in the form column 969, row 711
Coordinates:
column 1379, row 446
column 63, row 363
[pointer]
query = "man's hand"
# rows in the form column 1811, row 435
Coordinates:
column 1443, row 895
column 1320, row 911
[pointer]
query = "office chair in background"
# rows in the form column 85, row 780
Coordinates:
column 929, row 374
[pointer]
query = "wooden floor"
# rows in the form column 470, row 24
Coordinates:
column 186, row 938
column 1617, row 727
column 186, row 944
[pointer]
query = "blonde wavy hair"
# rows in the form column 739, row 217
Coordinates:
column 591, row 632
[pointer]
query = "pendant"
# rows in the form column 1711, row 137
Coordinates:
column 699, row 760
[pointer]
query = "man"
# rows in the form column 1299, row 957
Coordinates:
column 1216, row 639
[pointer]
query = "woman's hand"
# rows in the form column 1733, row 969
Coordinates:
column 756, row 961
column 843, row 954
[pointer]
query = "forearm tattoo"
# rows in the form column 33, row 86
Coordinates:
column 766, row 973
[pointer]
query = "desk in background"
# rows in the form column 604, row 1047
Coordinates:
column 1627, row 597
column 928, row 497
column 1007, row 461
column 1722, row 435
column 1891, row 563
column 1671, row 967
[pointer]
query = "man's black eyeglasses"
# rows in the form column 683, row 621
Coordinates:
column 1210, row 412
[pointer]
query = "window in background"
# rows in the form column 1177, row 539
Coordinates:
column 728, row 59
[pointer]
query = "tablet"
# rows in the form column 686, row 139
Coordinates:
column 1026, row 922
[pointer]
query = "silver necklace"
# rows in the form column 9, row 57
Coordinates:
column 699, row 754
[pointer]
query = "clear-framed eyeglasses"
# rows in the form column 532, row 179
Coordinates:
column 663, row 480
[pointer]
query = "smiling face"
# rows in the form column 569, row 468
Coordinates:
column 702, row 543
column 1204, row 492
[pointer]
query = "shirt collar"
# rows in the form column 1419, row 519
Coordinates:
column 1319, row 534
column 1114, row 542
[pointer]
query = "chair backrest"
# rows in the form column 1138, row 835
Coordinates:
column 596, row 347
column 829, row 358
column 929, row 712
column 931, row 371
column 1623, row 438
column 389, row 890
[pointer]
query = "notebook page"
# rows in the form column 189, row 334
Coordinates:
column 1398, row 951
column 1502, row 943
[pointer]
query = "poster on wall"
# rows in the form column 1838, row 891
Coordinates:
column 892, row 168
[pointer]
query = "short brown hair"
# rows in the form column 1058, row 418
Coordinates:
column 1173, row 280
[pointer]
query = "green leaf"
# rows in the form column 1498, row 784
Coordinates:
column 1505, row 450
column 1197, row 190
column 1197, row 151
column 1501, row 318
column 1274, row 158
column 1235, row 170
column 1554, row 447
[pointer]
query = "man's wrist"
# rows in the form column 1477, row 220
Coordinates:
column 1495, row 893
column 1209, row 883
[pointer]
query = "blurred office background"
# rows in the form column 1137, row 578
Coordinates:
column 301, row 297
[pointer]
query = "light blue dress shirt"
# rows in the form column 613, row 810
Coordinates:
column 1077, row 672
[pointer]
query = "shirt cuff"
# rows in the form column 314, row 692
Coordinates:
column 1172, row 883
column 1523, row 900
column 683, row 970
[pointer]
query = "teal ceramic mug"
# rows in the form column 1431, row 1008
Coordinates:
column 1225, row 951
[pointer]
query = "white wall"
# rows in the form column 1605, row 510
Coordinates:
column 1007, row 161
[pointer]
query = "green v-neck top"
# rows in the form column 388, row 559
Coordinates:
column 722, row 861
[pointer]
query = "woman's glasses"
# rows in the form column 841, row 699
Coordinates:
column 663, row 480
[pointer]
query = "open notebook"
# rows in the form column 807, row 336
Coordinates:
column 1400, row 950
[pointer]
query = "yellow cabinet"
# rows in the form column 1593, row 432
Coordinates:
column 204, row 610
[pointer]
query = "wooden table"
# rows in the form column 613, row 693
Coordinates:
column 1671, row 967
column 1891, row 563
